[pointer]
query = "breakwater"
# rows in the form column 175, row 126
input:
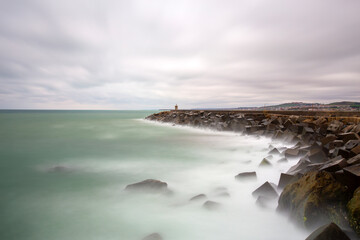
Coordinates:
column 323, row 186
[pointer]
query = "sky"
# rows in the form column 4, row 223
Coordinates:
column 150, row 54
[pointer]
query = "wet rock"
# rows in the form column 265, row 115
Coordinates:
column 198, row 197
column 328, row 232
column 265, row 163
column 275, row 151
column 316, row 155
column 348, row 136
column 351, row 144
column 315, row 199
column 356, row 150
column 149, row 185
column 153, row 236
column 329, row 138
column 299, row 167
column 246, row 175
column 211, row 205
column 285, row 179
column 353, row 174
column 266, row 190
column 262, row 201
column 292, row 153
column 334, row 165
column 353, row 208
column 354, row 160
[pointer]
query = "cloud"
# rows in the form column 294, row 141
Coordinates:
column 152, row 54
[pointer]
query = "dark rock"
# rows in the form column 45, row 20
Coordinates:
column 211, row 205
column 316, row 198
column 266, row 190
column 198, row 197
column 329, row 138
column 246, row 175
column 328, row 232
column 149, row 185
column 351, row 144
column 317, row 156
column 334, row 165
column 356, row 150
column 353, row 172
column 153, row 236
column 354, row 160
column 299, row 167
column 348, row 136
column 285, row 179
column 353, row 208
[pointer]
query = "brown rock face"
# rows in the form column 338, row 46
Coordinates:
column 328, row 232
column 315, row 199
column 354, row 211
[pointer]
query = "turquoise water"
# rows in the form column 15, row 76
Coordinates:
column 103, row 151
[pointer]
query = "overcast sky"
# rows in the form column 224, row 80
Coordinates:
column 148, row 54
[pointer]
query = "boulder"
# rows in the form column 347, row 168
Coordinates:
column 329, row 231
column 149, row 185
column 356, row 150
column 348, row 136
column 329, row 138
column 246, row 175
column 354, row 160
column 262, row 201
column 198, row 197
column 353, row 174
column 351, row 144
column 266, row 190
column 153, row 236
column 316, row 198
column 353, row 208
column 299, row 167
column 211, row 205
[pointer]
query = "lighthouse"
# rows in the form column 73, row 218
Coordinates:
column 176, row 107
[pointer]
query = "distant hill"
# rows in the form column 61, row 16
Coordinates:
column 344, row 103
column 343, row 106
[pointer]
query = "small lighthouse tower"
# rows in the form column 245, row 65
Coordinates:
column 176, row 107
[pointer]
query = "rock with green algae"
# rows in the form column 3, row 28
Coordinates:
column 315, row 199
column 353, row 207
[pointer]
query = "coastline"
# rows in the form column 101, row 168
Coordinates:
column 328, row 146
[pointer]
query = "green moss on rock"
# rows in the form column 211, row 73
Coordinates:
column 314, row 199
column 354, row 211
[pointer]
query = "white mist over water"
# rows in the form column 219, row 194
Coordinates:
column 106, row 152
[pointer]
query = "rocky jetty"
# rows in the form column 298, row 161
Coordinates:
column 323, row 186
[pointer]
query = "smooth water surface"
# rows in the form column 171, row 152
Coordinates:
column 100, row 152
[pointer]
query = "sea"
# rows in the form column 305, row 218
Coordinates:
column 63, row 175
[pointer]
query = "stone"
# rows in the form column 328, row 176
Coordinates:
column 266, row 190
column 149, row 185
column 351, row 144
column 329, row 231
column 275, row 151
column 292, row 153
column 356, row 150
column 354, row 160
column 285, row 179
column 336, row 143
column 316, row 198
column 353, row 208
column 262, row 201
column 353, row 172
column 281, row 160
column 246, row 175
column 299, row 167
column 198, row 197
column 265, row 163
column 153, row 236
column 348, row 136
column 211, row 205
column 316, row 155
column 59, row 169
column 334, row 165
column 329, row 138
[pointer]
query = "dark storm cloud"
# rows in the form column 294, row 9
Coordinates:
column 152, row 54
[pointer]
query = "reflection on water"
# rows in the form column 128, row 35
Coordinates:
column 63, row 175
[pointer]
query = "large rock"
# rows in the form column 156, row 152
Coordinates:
column 285, row 179
column 211, row 205
column 149, row 185
column 334, row 165
column 315, row 199
column 198, row 197
column 354, row 211
column 328, row 232
column 265, row 163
